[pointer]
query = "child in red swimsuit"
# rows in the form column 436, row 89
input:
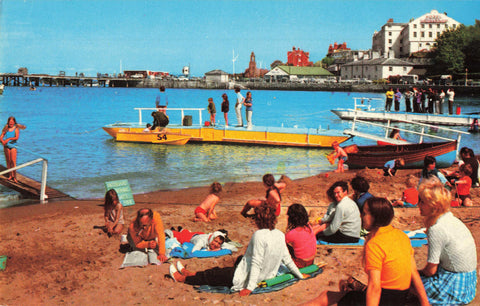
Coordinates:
column 206, row 211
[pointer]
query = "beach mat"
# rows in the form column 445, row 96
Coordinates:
column 276, row 286
column 417, row 239
column 185, row 252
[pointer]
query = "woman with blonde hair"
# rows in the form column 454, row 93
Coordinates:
column 450, row 275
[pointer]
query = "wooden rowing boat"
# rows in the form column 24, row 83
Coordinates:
column 153, row 137
column 413, row 154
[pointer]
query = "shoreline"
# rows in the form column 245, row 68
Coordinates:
column 55, row 256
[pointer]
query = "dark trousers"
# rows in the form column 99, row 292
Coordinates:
column 388, row 297
column 408, row 105
column 338, row 237
column 450, row 107
column 213, row 277
column 416, row 107
column 397, row 105
column 388, row 104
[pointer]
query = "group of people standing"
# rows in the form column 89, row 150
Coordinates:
column 240, row 102
column 419, row 100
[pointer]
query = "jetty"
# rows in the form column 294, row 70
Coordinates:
column 30, row 188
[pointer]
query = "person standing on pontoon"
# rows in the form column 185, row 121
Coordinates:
column 238, row 107
column 389, row 98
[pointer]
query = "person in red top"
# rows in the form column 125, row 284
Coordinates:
column 464, row 184
column 410, row 195
column 300, row 237
column 146, row 232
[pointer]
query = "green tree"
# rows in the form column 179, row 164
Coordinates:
column 327, row 61
column 472, row 48
column 448, row 56
column 275, row 64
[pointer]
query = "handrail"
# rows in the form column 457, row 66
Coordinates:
column 43, row 184
column 140, row 109
column 388, row 127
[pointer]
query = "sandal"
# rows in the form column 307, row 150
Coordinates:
column 355, row 285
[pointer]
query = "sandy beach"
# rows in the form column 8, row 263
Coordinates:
column 56, row 257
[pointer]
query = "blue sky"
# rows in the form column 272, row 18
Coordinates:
column 92, row 36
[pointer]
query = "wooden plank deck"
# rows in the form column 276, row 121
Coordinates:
column 30, row 188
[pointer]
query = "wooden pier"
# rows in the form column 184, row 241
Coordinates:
column 30, row 188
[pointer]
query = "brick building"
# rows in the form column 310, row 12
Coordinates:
column 298, row 58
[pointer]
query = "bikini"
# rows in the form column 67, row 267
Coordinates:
column 277, row 209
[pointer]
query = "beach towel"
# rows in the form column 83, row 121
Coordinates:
column 185, row 251
column 275, row 284
column 140, row 259
column 417, row 239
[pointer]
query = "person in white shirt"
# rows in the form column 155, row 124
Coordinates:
column 238, row 107
column 451, row 96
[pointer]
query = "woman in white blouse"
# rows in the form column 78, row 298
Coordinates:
column 265, row 252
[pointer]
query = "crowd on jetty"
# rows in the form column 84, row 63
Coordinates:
column 419, row 100
column 448, row 277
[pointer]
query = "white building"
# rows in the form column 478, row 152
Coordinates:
column 216, row 76
column 403, row 39
column 375, row 69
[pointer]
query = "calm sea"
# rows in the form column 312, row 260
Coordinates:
column 64, row 125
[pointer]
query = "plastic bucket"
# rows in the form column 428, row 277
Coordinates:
column 459, row 110
column 3, row 262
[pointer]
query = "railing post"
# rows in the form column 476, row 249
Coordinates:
column 43, row 186
column 421, row 135
column 200, row 116
column 139, row 116
column 387, row 129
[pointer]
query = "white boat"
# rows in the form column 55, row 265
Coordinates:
column 362, row 110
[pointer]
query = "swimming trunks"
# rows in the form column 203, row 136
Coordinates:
column 200, row 210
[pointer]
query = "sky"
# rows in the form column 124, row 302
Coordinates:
column 109, row 36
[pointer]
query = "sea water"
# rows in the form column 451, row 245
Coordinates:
column 64, row 126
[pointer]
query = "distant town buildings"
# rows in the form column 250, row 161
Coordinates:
column 252, row 71
column 298, row 58
column 400, row 40
column 216, row 76
column 375, row 69
column 337, row 48
column 293, row 73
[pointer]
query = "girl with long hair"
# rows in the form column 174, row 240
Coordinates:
column 113, row 213
column 300, row 237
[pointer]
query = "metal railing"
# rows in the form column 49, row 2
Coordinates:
column 172, row 109
column 43, row 184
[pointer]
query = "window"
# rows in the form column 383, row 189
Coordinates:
column 389, row 41
column 404, row 69
column 376, row 68
column 419, row 45
column 422, row 34
column 414, row 34
column 389, row 33
column 430, row 26
column 390, row 68
column 414, row 26
column 401, row 49
column 438, row 34
column 438, row 26
column 423, row 26
column 430, row 34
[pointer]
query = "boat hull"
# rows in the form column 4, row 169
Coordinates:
column 413, row 154
column 257, row 136
column 155, row 138
column 382, row 116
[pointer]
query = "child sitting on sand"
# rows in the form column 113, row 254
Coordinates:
column 390, row 167
column 113, row 213
column 464, row 184
column 206, row 211
column 410, row 195
column 341, row 155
